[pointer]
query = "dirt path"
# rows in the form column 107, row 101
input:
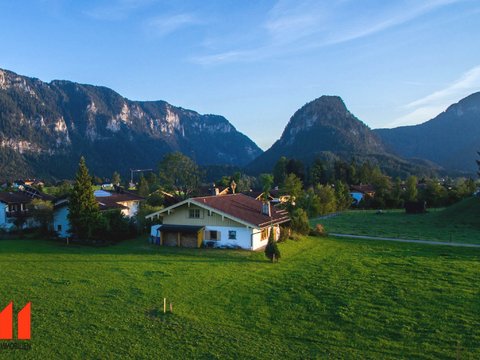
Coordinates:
column 364, row 237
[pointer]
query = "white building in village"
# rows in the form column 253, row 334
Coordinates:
column 126, row 202
column 235, row 220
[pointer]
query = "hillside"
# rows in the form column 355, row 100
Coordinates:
column 325, row 128
column 46, row 127
column 465, row 213
column 451, row 139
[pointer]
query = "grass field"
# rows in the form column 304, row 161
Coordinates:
column 459, row 223
column 326, row 298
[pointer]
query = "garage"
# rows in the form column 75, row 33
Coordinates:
column 181, row 235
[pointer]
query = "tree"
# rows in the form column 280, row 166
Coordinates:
column 344, row 199
column 280, row 171
column 293, row 187
column 296, row 167
column 271, row 250
column 116, row 180
column 317, row 172
column 42, row 213
column 411, row 191
column 84, row 214
column 299, row 221
column 326, row 199
column 179, row 174
column 267, row 181
column 143, row 188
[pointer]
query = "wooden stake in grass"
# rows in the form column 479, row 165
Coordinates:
column 164, row 305
column 171, row 308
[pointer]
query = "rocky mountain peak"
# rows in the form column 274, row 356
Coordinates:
column 41, row 123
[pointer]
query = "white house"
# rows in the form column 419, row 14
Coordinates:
column 15, row 204
column 126, row 202
column 234, row 220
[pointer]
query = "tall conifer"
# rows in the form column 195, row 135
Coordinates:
column 84, row 214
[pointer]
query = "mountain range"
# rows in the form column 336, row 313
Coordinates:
column 451, row 139
column 46, row 127
column 324, row 128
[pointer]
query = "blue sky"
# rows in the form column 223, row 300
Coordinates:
column 256, row 62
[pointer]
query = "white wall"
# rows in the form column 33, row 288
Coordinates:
column 257, row 237
column 244, row 237
column 60, row 218
column 3, row 216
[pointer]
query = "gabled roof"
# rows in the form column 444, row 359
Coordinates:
column 24, row 195
column 363, row 188
column 238, row 207
column 14, row 198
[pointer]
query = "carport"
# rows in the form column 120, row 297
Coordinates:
column 181, row 235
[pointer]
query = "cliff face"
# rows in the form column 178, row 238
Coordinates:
column 46, row 127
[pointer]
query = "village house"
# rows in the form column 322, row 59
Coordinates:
column 234, row 220
column 127, row 202
column 14, row 205
column 361, row 192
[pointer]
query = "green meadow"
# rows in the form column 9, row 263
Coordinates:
column 458, row 223
column 326, row 298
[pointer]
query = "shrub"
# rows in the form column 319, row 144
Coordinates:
column 299, row 221
column 319, row 231
column 285, row 233
column 271, row 250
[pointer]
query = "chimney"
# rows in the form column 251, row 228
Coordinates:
column 266, row 209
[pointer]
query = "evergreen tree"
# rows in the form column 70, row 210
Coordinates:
column 280, row 171
column 84, row 214
column 299, row 221
column 271, row 250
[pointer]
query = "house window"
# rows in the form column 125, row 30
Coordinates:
column 194, row 213
column 265, row 234
column 232, row 235
column 59, row 228
column 212, row 235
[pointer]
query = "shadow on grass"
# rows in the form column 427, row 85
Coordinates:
column 135, row 247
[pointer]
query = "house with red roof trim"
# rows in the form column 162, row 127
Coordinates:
column 234, row 220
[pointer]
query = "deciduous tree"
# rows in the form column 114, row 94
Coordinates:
column 179, row 174
column 42, row 213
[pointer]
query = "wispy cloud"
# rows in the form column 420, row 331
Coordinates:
column 116, row 9
column 431, row 105
column 163, row 25
column 291, row 26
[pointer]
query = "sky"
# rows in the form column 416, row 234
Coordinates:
column 394, row 63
